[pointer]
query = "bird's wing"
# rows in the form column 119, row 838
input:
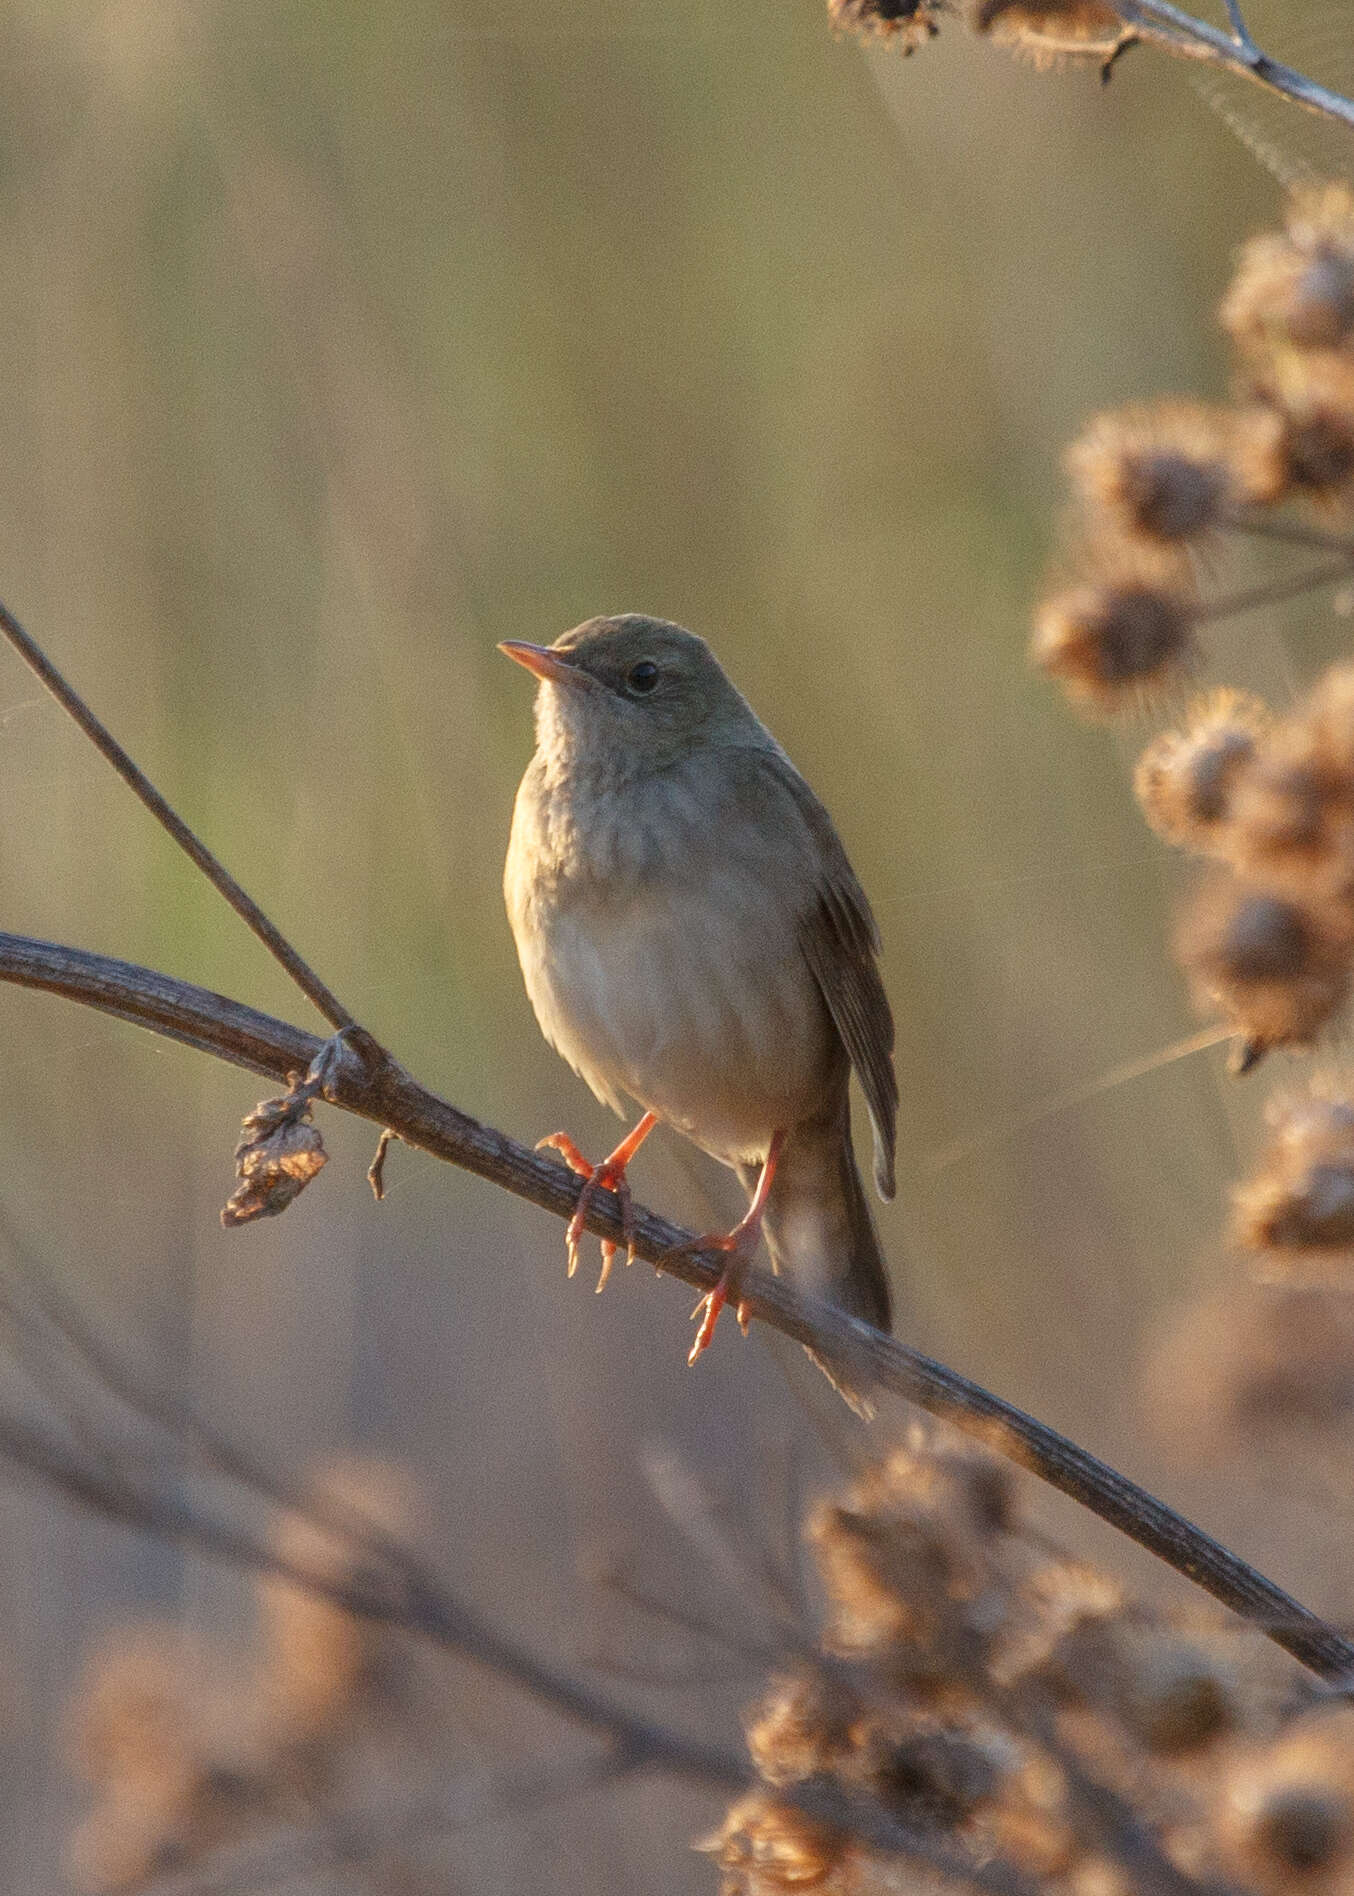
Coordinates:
column 840, row 941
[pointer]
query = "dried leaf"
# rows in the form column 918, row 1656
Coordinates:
column 280, row 1153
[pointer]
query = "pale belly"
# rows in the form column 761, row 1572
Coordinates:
column 697, row 1005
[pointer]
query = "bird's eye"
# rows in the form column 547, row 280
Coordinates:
column 642, row 677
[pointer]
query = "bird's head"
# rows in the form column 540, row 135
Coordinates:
column 640, row 692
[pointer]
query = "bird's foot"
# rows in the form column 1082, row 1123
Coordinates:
column 741, row 1246
column 609, row 1176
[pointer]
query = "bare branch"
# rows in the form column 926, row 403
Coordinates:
column 477, row 1802
column 381, row 1091
column 197, row 851
column 1160, row 24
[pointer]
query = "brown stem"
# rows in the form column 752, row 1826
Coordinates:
column 385, row 1094
column 137, row 781
column 1291, row 533
column 1275, row 591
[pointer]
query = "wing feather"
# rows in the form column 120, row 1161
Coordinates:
column 840, row 942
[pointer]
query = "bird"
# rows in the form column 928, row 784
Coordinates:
column 695, row 943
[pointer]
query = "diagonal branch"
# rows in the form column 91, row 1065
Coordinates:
column 193, row 847
column 383, row 1092
column 1163, row 25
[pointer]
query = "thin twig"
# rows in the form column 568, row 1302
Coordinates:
column 1160, row 24
column 138, row 782
column 1241, row 33
column 1291, row 533
column 345, row 1846
column 386, row 1095
column 1275, row 591
column 158, row 1408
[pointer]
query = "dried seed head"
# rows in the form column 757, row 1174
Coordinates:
column 952, row 1480
column 765, row 1845
column 169, row 1786
column 1031, row 1825
column 1259, row 457
column 1061, row 1634
column 1099, row 1876
column 1312, row 451
column 1111, row 641
column 910, row 23
column 802, row 1726
column 1288, row 826
column 907, row 1562
column 930, row 1773
column 132, row 1710
column 1286, row 1815
column 1300, row 1829
column 1327, row 717
column 896, row 1585
column 1301, row 1196
column 1295, row 289
column 1291, row 822
column 1277, row 966
column 326, row 1666
column 1185, row 779
column 1177, row 1696
column 1048, row 30
column 1166, row 471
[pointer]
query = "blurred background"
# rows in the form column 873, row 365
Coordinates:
column 339, row 343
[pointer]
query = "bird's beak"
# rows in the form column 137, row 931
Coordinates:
column 543, row 661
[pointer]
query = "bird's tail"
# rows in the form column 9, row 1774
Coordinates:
column 819, row 1229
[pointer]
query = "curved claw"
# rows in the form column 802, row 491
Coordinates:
column 712, row 1303
column 609, row 1176
column 741, row 1245
column 614, row 1180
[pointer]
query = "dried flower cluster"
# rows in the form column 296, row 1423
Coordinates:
column 1015, row 1712
column 1300, row 1200
column 1124, row 626
column 1270, row 1362
column 320, row 1736
column 1156, row 484
column 1294, row 289
column 908, row 23
column 1158, row 488
column 1266, row 801
column 1046, row 31
column 1268, row 936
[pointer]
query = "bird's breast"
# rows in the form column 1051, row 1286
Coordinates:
column 663, row 962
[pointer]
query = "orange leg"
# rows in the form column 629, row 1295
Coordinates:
column 741, row 1244
column 609, row 1176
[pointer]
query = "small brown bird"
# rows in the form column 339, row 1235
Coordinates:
column 693, row 939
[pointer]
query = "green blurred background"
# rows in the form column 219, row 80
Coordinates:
column 339, row 343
